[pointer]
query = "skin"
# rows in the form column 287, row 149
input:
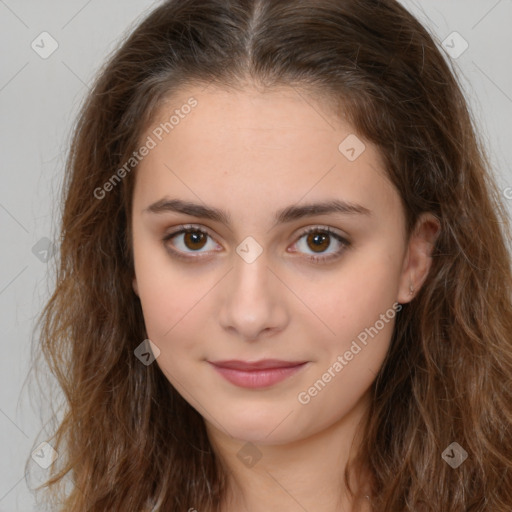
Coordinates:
column 252, row 153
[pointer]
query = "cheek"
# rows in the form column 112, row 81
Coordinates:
column 353, row 298
column 165, row 294
column 348, row 365
column 168, row 303
column 171, row 308
column 359, row 309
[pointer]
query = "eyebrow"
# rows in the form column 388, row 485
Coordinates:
column 288, row 214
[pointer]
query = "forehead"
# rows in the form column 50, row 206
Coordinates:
column 256, row 149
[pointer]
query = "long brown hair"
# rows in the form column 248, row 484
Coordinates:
column 127, row 439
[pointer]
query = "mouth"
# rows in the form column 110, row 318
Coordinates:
column 257, row 374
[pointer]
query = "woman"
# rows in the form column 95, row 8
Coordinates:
column 284, row 280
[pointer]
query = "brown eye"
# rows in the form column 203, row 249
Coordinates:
column 318, row 241
column 195, row 239
column 187, row 240
column 190, row 239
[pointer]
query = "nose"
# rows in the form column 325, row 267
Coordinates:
column 253, row 300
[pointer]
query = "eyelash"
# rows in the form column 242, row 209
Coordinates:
column 189, row 228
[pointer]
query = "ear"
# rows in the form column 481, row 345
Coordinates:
column 135, row 287
column 418, row 259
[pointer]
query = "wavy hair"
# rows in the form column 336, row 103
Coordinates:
column 127, row 439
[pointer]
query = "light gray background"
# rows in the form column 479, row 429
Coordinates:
column 39, row 99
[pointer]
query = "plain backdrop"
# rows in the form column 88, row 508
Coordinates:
column 39, row 98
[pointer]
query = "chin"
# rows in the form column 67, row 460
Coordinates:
column 264, row 429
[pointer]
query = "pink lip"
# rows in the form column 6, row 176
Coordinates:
column 258, row 374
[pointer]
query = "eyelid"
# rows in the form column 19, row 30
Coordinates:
column 320, row 227
column 189, row 227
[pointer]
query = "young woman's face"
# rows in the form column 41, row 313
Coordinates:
column 243, row 170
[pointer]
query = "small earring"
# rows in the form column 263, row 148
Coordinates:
column 411, row 289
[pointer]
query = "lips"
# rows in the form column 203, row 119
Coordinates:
column 264, row 364
column 257, row 374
